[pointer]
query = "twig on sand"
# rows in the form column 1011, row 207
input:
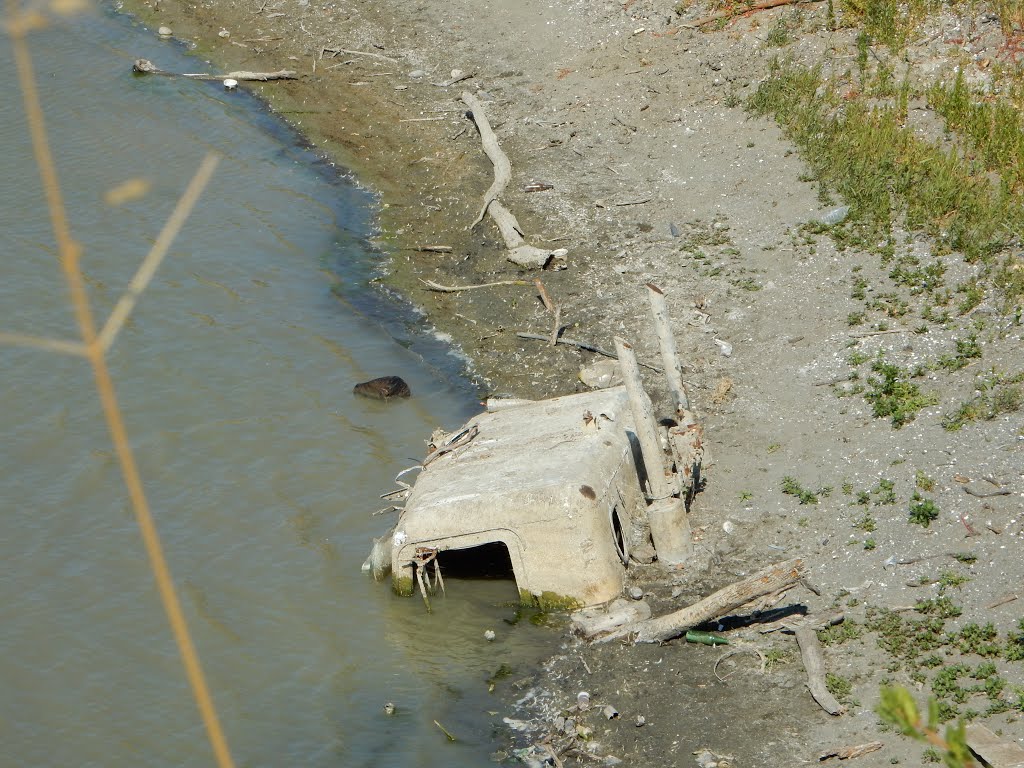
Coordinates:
column 456, row 79
column 582, row 345
column 335, row 51
column 456, row 288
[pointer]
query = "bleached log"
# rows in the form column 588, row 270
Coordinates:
column 670, row 529
column 146, row 67
column 814, row 664
column 669, row 352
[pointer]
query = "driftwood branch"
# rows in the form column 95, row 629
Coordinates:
column 146, row 67
column 502, row 165
column 734, row 14
column 456, row 288
column 766, row 581
column 583, row 345
column 520, row 252
column 814, row 663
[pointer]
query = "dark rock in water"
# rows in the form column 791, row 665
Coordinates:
column 383, row 388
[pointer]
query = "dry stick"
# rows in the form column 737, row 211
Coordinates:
column 456, row 79
column 336, row 51
column 755, row 7
column 764, row 582
column 670, row 529
column 156, row 254
column 456, row 288
column 669, row 353
column 551, row 307
column 814, row 663
column 584, row 345
column 1001, row 601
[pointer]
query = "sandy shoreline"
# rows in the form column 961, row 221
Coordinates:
column 655, row 174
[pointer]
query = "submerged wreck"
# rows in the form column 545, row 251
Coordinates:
column 560, row 494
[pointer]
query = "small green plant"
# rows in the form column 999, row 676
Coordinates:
column 856, row 358
column 775, row 657
column 940, row 606
column 967, row 350
column 922, row 481
column 951, row 579
column 979, row 640
column 996, row 394
column 746, row 496
column 892, row 396
column 866, row 523
column 791, row 487
column 840, row 633
column 838, row 686
column 885, row 492
column 869, row 544
column 1015, row 645
column 923, row 511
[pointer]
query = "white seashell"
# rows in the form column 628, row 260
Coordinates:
column 456, row 73
column 165, row 32
column 230, row 84
column 489, row 634
column 725, row 347
column 223, row 33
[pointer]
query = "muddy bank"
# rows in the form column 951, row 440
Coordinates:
column 631, row 149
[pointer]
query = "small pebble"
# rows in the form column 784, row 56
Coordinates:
column 640, row 721
column 674, row 230
column 165, row 32
column 230, row 84
column 417, row 73
column 724, row 347
column 636, row 593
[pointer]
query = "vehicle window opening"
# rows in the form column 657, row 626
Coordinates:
column 488, row 561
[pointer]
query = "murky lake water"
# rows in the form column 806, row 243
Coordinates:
column 235, row 376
